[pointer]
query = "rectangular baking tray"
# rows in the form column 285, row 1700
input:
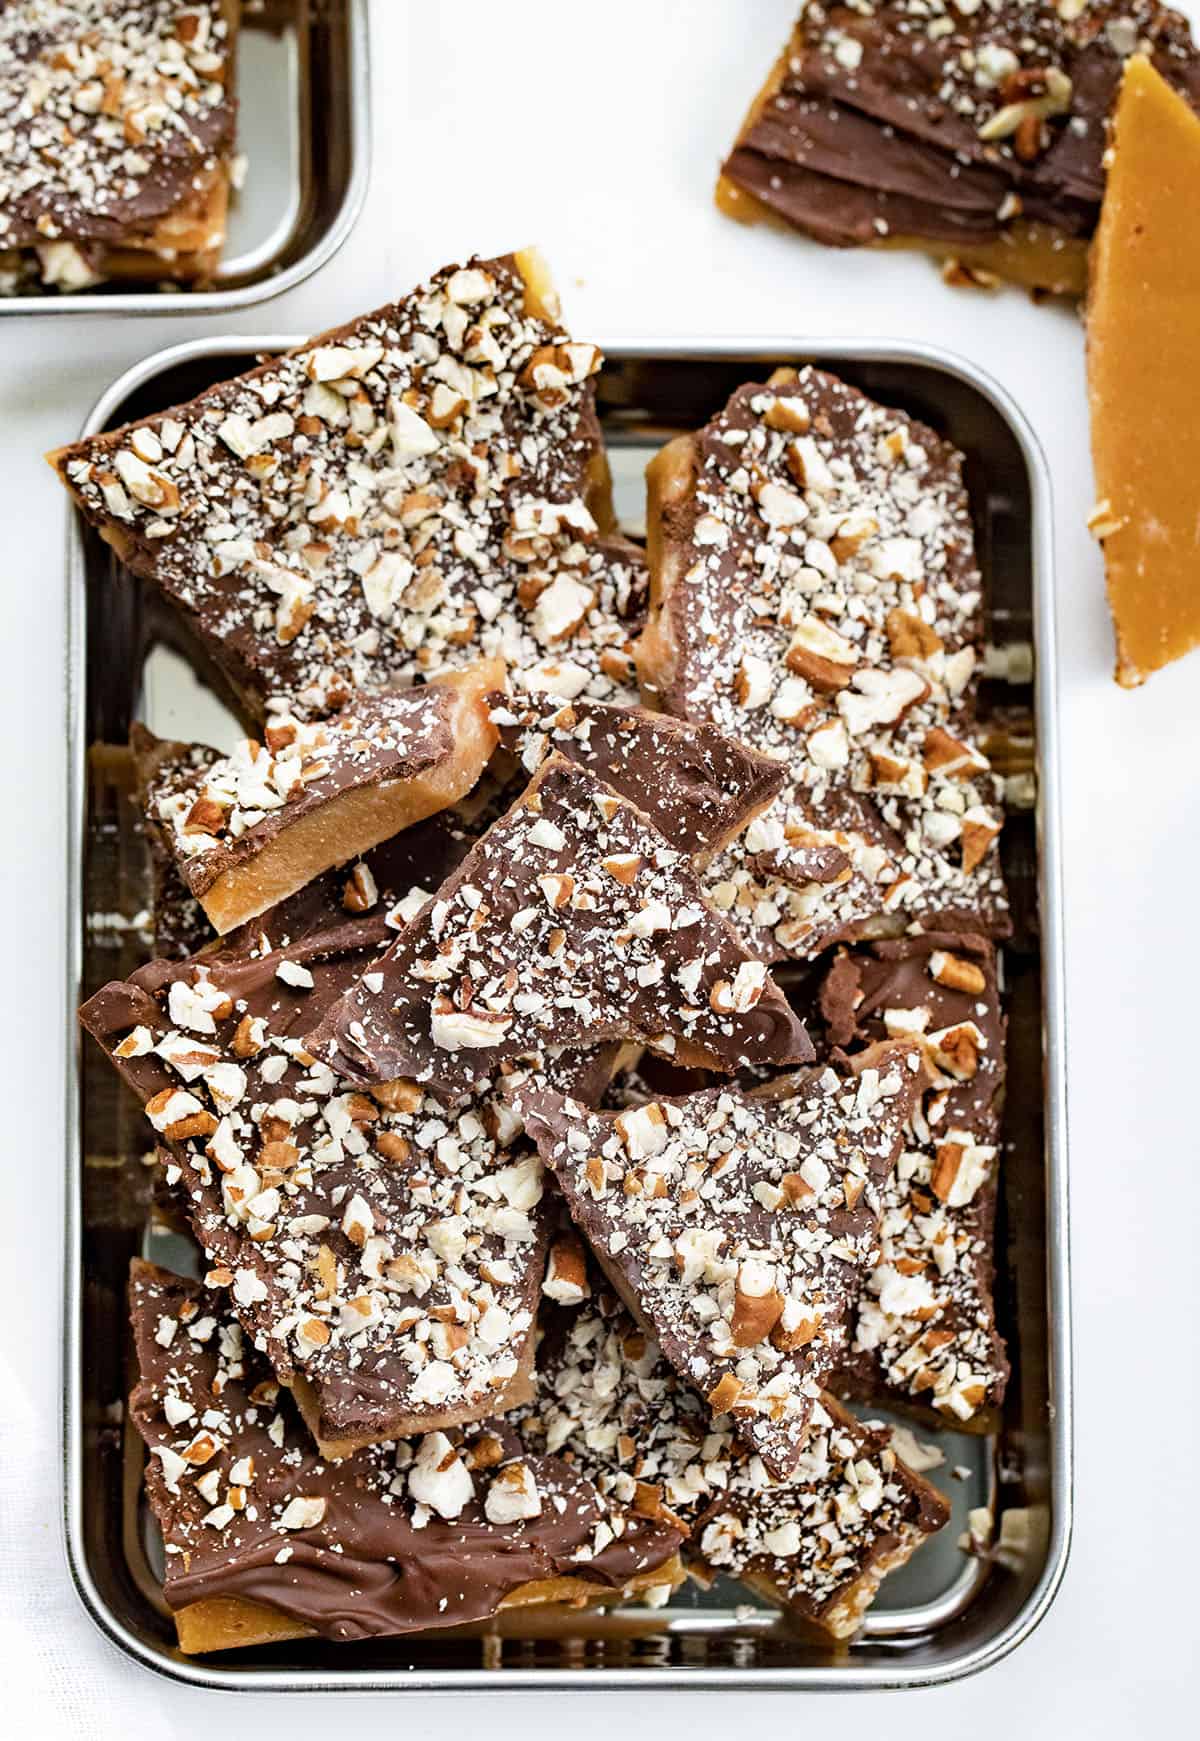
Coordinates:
column 304, row 127
column 944, row 1615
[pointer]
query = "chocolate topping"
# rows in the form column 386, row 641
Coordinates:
column 817, row 1543
column 572, row 921
column 739, row 1227
column 697, row 786
column 902, row 118
column 926, row 1328
column 386, row 503
column 816, row 596
column 398, row 1537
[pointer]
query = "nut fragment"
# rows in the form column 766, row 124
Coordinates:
column 957, row 973
column 825, row 659
column 361, row 891
column 979, row 829
column 566, row 1272
column 757, row 1304
column 725, row 1395
column 513, row 1496
column 439, row 1478
column 910, row 637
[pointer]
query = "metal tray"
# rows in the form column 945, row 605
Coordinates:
column 945, row 1614
column 304, row 127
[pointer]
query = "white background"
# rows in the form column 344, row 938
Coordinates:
column 596, row 130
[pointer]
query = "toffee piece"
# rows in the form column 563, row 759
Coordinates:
column 925, row 1330
column 974, row 133
column 817, row 1544
column 739, row 1228
column 1142, row 324
column 815, row 595
column 571, row 922
column 698, row 787
column 267, row 1539
column 398, row 497
column 118, row 121
column 384, row 1251
column 249, row 829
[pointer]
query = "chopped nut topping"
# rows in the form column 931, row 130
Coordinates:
column 369, row 510
column 843, row 646
column 423, row 1528
column 815, row 1537
column 743, row 1282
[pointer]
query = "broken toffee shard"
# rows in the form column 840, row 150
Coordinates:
column 815, row 595
column 383, row 1250
column 924, row 1334
column 1141, row 328
column 118, row 118
column 571, row 922
column 818, row 1544
column 421, row 487
column 250, row 829
column 267, row 1539
column 739, row 1227
column 699, row 787
column 974, row 133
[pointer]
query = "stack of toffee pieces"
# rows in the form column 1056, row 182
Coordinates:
column 974, row 130
column 541, row 1233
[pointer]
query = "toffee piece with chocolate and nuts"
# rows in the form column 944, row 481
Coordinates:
column 571, row 922
column 739, row 1227
column 817, row 1544
column 400, row 496
column 976, row 133
column 118, row 124
column 249, row 829
column 700, row 788
column 266, row 1539
column 815, row 595
column 925, row 1329
column 384, row 1251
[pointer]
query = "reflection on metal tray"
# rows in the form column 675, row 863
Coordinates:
column 944, row 1614
column 303, row 126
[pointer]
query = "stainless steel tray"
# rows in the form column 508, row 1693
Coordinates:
column 304, row 126
column 944, row 1615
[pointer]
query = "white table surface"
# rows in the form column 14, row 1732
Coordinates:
column 596, row 132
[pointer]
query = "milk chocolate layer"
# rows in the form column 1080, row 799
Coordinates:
column 739, row 1228
column 397, row 1538
column 572, row 921
column 698, row 787
column 894, row 119
column 925, row 1330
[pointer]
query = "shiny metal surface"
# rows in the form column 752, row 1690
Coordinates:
column 943, row 1616
column 304, row 126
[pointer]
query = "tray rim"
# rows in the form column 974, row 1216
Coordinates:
column 196, row 1672
column 125, row 304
